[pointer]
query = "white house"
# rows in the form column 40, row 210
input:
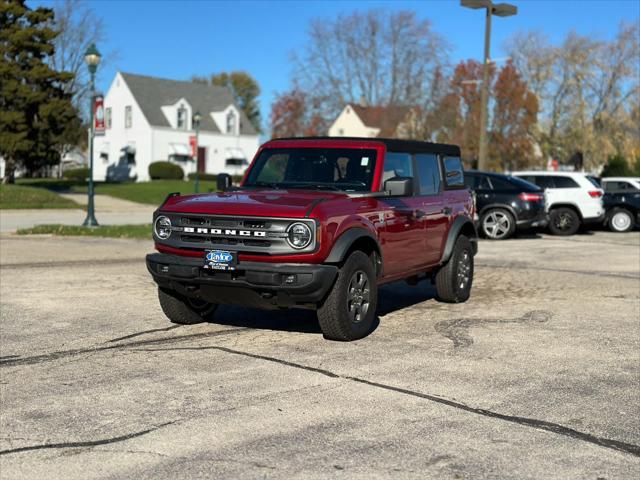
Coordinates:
column 373, row 121
column 151, row 119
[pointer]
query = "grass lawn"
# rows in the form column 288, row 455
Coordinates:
column 152, row 193
column 20, row 196
column 112, row 231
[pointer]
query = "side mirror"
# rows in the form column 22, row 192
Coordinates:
column 399, row 186
column 223, row 182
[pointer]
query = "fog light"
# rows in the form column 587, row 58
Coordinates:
column 289, row 279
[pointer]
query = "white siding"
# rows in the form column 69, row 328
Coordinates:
column 154, row 143
column 348, row 124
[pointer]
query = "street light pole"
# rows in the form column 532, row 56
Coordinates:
column 501, row 10
column 196, row 123
column 92, row 59
column 484, row 95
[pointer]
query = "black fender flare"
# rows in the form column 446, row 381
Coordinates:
column 460, row 225
column 346, row 240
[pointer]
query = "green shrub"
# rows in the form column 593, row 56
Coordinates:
column 207, row 177
column 78, row 174
column 617, row 166
column 165, row 171
column 212, row 177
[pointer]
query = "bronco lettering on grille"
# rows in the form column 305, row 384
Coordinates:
column 226, row 232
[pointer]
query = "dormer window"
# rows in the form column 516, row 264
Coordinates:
column 231, row 122
column 182, row 118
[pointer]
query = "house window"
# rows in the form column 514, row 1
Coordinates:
column 231, row 122
column 127, row 116
column 182, row 118
column 107, row 117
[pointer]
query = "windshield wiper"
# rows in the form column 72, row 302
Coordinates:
column 275, row 186
column 313, row 186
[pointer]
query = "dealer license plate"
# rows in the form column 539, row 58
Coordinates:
column 220, row 260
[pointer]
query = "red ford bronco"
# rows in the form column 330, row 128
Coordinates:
column 319, row 223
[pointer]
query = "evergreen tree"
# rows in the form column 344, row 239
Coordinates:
column 36, row 115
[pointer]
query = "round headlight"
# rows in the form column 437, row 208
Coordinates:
column 162, row 227
column 299, row 235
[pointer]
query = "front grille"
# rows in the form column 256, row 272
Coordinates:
column 243, row 234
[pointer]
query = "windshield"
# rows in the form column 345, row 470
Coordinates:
column 342, row 169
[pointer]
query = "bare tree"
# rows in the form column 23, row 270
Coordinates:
column 79, row 27
column 375, row 57
column 586, row 89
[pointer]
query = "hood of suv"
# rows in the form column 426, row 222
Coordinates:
column 259, row 203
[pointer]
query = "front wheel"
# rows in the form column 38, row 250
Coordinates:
column 620, row 220
column 349, row 311
column 184, row 310
column 563, row 221
column 454, row 280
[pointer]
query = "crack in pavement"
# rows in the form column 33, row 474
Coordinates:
column 88, row 443
column 457, row 329
column 48, row 357
column 145, row 332
column 524, row 421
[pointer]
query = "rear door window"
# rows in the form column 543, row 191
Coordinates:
column 502, row 184
column 565, row 182
column 428, row 174
column 453, row 172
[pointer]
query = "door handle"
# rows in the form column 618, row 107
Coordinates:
column 418, row 214
column 446, row 211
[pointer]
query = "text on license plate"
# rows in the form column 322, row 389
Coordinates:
column 220, row 260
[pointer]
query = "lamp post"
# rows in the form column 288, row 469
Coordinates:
column 92, row 59
column 196, row 124
column 500, row 10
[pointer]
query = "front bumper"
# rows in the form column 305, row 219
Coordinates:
column 591, row 220
column 252, row 284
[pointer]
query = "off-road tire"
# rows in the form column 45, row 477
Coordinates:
column 335, row 315
column 455, row 278
column 505, row 224
column 183, row 310
column 620, row 220
column 563, row 221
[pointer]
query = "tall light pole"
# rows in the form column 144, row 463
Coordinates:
column 500, row 10
column 196, row 124
column 92, row 59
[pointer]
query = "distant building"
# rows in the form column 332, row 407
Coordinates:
column 151, row 119
column 375, row 121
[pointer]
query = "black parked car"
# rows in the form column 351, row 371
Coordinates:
column 504, row 203
column 622, row 202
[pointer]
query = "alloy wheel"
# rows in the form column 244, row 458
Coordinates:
column 621, row 221
column 463, row 271
column 358, row 296
column 496, row 225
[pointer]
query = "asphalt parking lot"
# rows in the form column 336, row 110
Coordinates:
column 537, row 376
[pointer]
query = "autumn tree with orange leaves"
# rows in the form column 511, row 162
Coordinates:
column 294, row 115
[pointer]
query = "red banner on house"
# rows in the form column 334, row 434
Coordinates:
column 98, row 115
column 194, row 145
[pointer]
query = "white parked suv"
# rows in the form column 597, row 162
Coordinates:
column 573, row 199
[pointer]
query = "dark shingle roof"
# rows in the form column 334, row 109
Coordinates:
column 153, row 93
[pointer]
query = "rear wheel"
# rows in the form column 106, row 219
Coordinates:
column 454, row 280
column 563, row 221
column 349, row 311
column 620, row 220
column 497, row 224
column 184, row 310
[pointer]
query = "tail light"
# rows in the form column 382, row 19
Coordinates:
column 531, row 197
column 595, row 193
